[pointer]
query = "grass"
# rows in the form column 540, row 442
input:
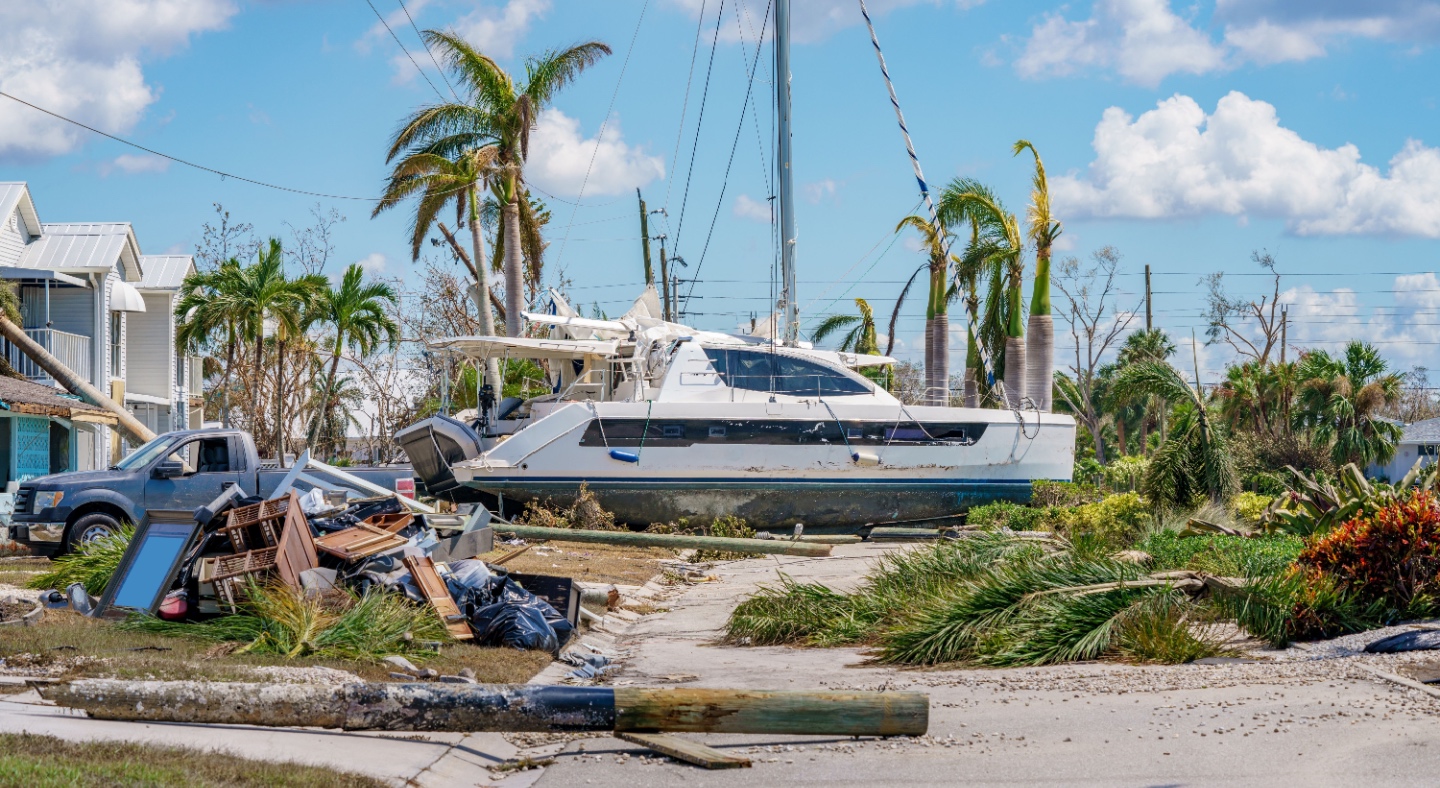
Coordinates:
column 36, row 761
column 72, row 646
column 588, row 563
column 92, row 565
column 1220, row 554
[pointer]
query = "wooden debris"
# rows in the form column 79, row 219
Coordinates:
column 685, row 750
column 257, row 525
column 673, row 541
column 501, row 561
column 422, row 571
column 517, row 708
column 363, row 540
column 295, row 548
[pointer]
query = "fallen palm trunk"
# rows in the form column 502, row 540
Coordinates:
column 446, row 707
column 674, row 541
column 1191, row 583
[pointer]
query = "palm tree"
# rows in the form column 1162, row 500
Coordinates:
column 499, row 114
column 935, row 242
column 1196, row 459
column 1147, row 344
column 357, row 311
column 261, row 294
column 998, row 250
column 1040, row 341
column 1340, row 400
column 344, row 397
column 860, row 338
column 206, row 309
column 534, row 215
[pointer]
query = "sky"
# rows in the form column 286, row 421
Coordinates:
column 1186, row 136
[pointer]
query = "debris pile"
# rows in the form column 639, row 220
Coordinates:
column 226, row 559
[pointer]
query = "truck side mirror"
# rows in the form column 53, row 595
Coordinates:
column 168, row 469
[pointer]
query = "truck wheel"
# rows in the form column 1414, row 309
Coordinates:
column 91, row 527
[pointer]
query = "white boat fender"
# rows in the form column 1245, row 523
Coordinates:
column 624, row 456
column 865, row 458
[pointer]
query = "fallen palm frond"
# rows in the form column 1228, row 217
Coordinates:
column 1298, row 606
column 279, row 620
column 1165, row 628
column 91, row 565
column 788, row 613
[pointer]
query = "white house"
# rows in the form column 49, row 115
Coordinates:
column 1419, row 441
column 93, row 300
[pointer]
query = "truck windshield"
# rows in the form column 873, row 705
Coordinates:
column 145, row 454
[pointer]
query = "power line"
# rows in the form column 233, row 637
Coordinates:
column 178, row 160
column 440, row 95
column 428, row 51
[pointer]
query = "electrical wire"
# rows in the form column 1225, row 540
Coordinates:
column 379, row 16
column 428, row 51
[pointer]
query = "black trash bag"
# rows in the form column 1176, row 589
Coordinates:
column 502, row 613
column 1424, row 640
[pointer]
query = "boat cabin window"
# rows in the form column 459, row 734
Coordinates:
column 773, row 372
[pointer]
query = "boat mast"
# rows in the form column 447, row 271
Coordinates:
column 788, row 295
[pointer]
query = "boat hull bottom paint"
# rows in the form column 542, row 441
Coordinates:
column 828, row 506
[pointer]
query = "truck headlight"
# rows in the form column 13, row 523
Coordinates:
column 48, row 499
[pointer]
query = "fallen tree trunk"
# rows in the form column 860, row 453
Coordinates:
column 674, row 541
column 525, row 707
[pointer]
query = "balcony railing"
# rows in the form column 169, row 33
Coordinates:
column 73, row 350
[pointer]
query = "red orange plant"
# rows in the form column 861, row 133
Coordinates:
column 1391, row 556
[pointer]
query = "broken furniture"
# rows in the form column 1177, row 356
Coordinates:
column 427, row 579
column 377, row 535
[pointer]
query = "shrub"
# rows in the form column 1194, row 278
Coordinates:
column 1117, row 520
column 728, row 526
column 1224, row 555
column 1164, row 629
column 1044, row 493
column 1125, row 473
column 1008, row 514
column 1392, row 556
column 1300, row 605
column 1249, row 506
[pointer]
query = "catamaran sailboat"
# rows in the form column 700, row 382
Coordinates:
column 663, row 422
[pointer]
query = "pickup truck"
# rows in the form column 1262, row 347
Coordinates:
column 177, row 470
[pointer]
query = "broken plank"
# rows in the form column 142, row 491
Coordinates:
column 685, row 750
column 422, row 571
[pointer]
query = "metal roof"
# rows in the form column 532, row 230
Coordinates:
column 165, row 271
column 16, row 193
column 1427, row 431
column 88, row 245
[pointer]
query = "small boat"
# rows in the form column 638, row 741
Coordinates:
column 663, row 422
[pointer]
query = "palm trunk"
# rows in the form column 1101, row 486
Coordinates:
column 129, row 426
column 1015, row 361
column 280, row 402
column 1097, row 433
column 514, row 269
column 482, row 279
column 255, row 381
column 1040, row 341
column 942, row 358
column 972, row 370
column 225, row 382
column 323, row 417
column 928, row 399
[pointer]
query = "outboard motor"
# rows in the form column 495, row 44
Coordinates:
column 436, row 443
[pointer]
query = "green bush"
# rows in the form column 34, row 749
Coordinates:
column 1117, row 520
column 1221, row 554
column 1016, row 517
column 1125, row 473
column 1044, row 493
column 1249, row 506
column 91, row 565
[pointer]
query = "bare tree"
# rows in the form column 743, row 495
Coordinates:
column 1417, row 398
column 311, row 247
column 1094, row 327
column 1230, row 317
column 221, row 241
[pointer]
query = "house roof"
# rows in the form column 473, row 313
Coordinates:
column 165, row 271
column 22, row 396
column 90, row 245
column 15, row 194
column 1427, row 431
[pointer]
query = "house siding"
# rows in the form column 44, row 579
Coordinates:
column 70, row 309
column 149, row 349
column 13, row 238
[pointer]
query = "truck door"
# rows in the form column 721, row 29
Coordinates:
column 206, row 466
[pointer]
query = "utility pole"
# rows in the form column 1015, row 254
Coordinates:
column 1195, row 359
column 1284, row 324
column 1149, row 318
column 665, row 309
column 645, row 238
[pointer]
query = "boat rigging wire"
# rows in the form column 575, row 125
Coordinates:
column 735, row 144
column 684, row 106
column 381, row 17
column 699, row 123
column 600, row 136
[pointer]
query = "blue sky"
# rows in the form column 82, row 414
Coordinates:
column 1184, row 135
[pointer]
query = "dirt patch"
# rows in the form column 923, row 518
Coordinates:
column 588, row 563
column 14, row 609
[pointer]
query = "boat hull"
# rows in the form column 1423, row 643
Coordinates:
column 822, row 505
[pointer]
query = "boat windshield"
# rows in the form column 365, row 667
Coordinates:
column 755, row 370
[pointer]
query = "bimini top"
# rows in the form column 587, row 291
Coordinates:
column 527, row 347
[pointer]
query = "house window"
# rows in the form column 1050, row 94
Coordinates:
column 1427, row 449
column 115, row 326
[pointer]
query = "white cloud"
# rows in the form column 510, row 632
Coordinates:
column 131, row 164
column 560, row 157
column 1176, row 161
column 496, row 31
column 83, row 59
column 819, row 190
column 1146, row 40
column 747, row 207
column 373, row 264
column 1141, row 39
